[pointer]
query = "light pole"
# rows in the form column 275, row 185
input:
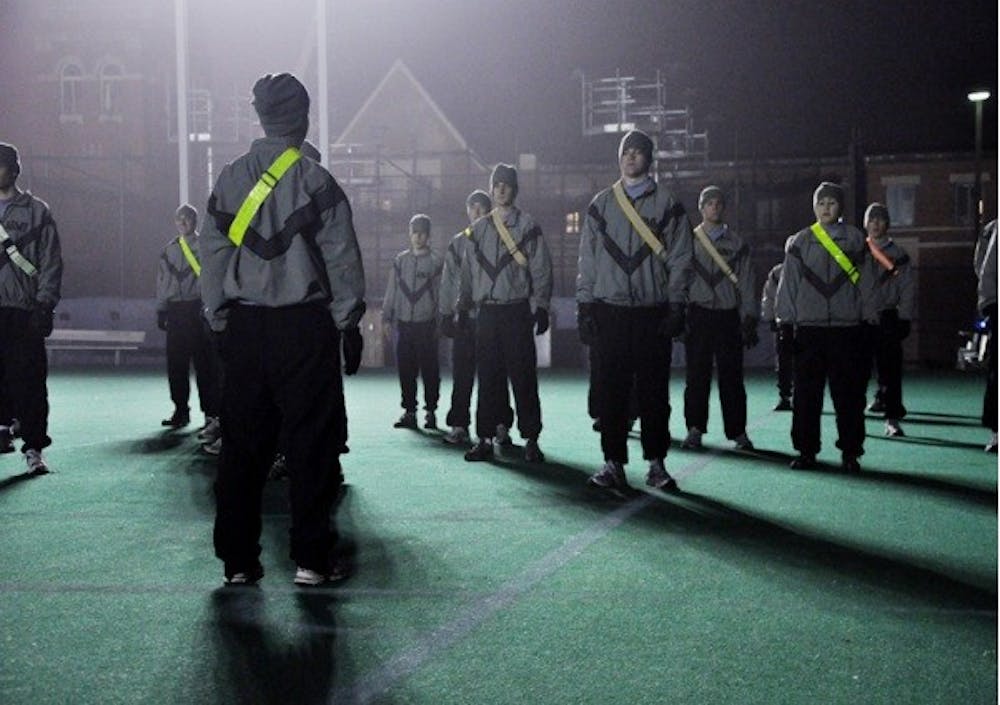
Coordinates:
column 978, row 97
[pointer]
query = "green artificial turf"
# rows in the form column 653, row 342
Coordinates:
column 505, row 582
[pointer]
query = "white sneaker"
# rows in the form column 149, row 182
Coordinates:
column 658, row 476
column 36, row 463
column 893, row 429
column 503, row 436
column 458, row 435
column 307, row 577
column 991, row 447
column 610, row 476
column 693, row 440
column 211, row 431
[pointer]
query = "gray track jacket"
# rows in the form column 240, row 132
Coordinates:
column 451, row 273
column 815, row 291
column 411, row 295
column 491, row 276
column 768, row 294
column 30, row 226
column 712, row 289
column 175, row 280
column 617, row 267
column 300, row 246
column 896, row 291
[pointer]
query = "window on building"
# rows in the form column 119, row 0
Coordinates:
column 964, row 207
column 573, row 223
column 111, row 90
column 901, row 200
column 70, row 82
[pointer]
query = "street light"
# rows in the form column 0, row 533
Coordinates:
column 978, row 97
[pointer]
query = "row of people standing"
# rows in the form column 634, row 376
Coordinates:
column 839, row 302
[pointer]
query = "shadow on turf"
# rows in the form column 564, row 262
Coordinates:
column 157, row 443
column 8, row 482
column 260, row 661
column 718, row 521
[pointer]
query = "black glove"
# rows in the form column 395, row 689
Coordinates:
column 447, row 326
column 774, row 326
column 354, row 345
column 541, row 321
column 903, row 329
column 586, row 324
column 749, row 332
column 161, row 320
column 786, row 333
column 40, row 320
column 672, row 325
column 462, row 324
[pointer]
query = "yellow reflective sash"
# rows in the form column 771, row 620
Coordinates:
column 15, row 255
column 638, row 224
column 706, row 242
column 508, row 239
column 838, row 255
column 261, row 190
column 189, row 255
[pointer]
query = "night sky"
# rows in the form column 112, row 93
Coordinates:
column 775, row 78
column 770, row 78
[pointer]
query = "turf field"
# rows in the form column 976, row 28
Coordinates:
column 508, row 583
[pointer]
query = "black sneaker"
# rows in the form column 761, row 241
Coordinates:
column 849, row 463
column 877, row 407
column 178, row 420
column 407, row 420
column 532, row 453
column 430, row 421
column 483, row 450
column 803, row 462
column 784, row 404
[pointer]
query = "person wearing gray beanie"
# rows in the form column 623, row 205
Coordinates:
column 411, row 306
column 30, row 289
column 283, row 288
column 282, row 104
column 178, row 314
column 458, row 322
column 637, row 139
column 508, row 269
column 827, row 303
column 631, row 294
column 722, row 320
column 897, row 298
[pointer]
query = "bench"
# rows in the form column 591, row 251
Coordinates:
column 115, row 341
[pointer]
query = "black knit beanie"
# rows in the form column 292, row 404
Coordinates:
column 637, row 139
column 504, row 174
column 282, row 104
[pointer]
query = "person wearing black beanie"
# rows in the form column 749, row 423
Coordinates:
column 283, row 288
column 509, row 273
column 411, row 305
column 30, row 288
